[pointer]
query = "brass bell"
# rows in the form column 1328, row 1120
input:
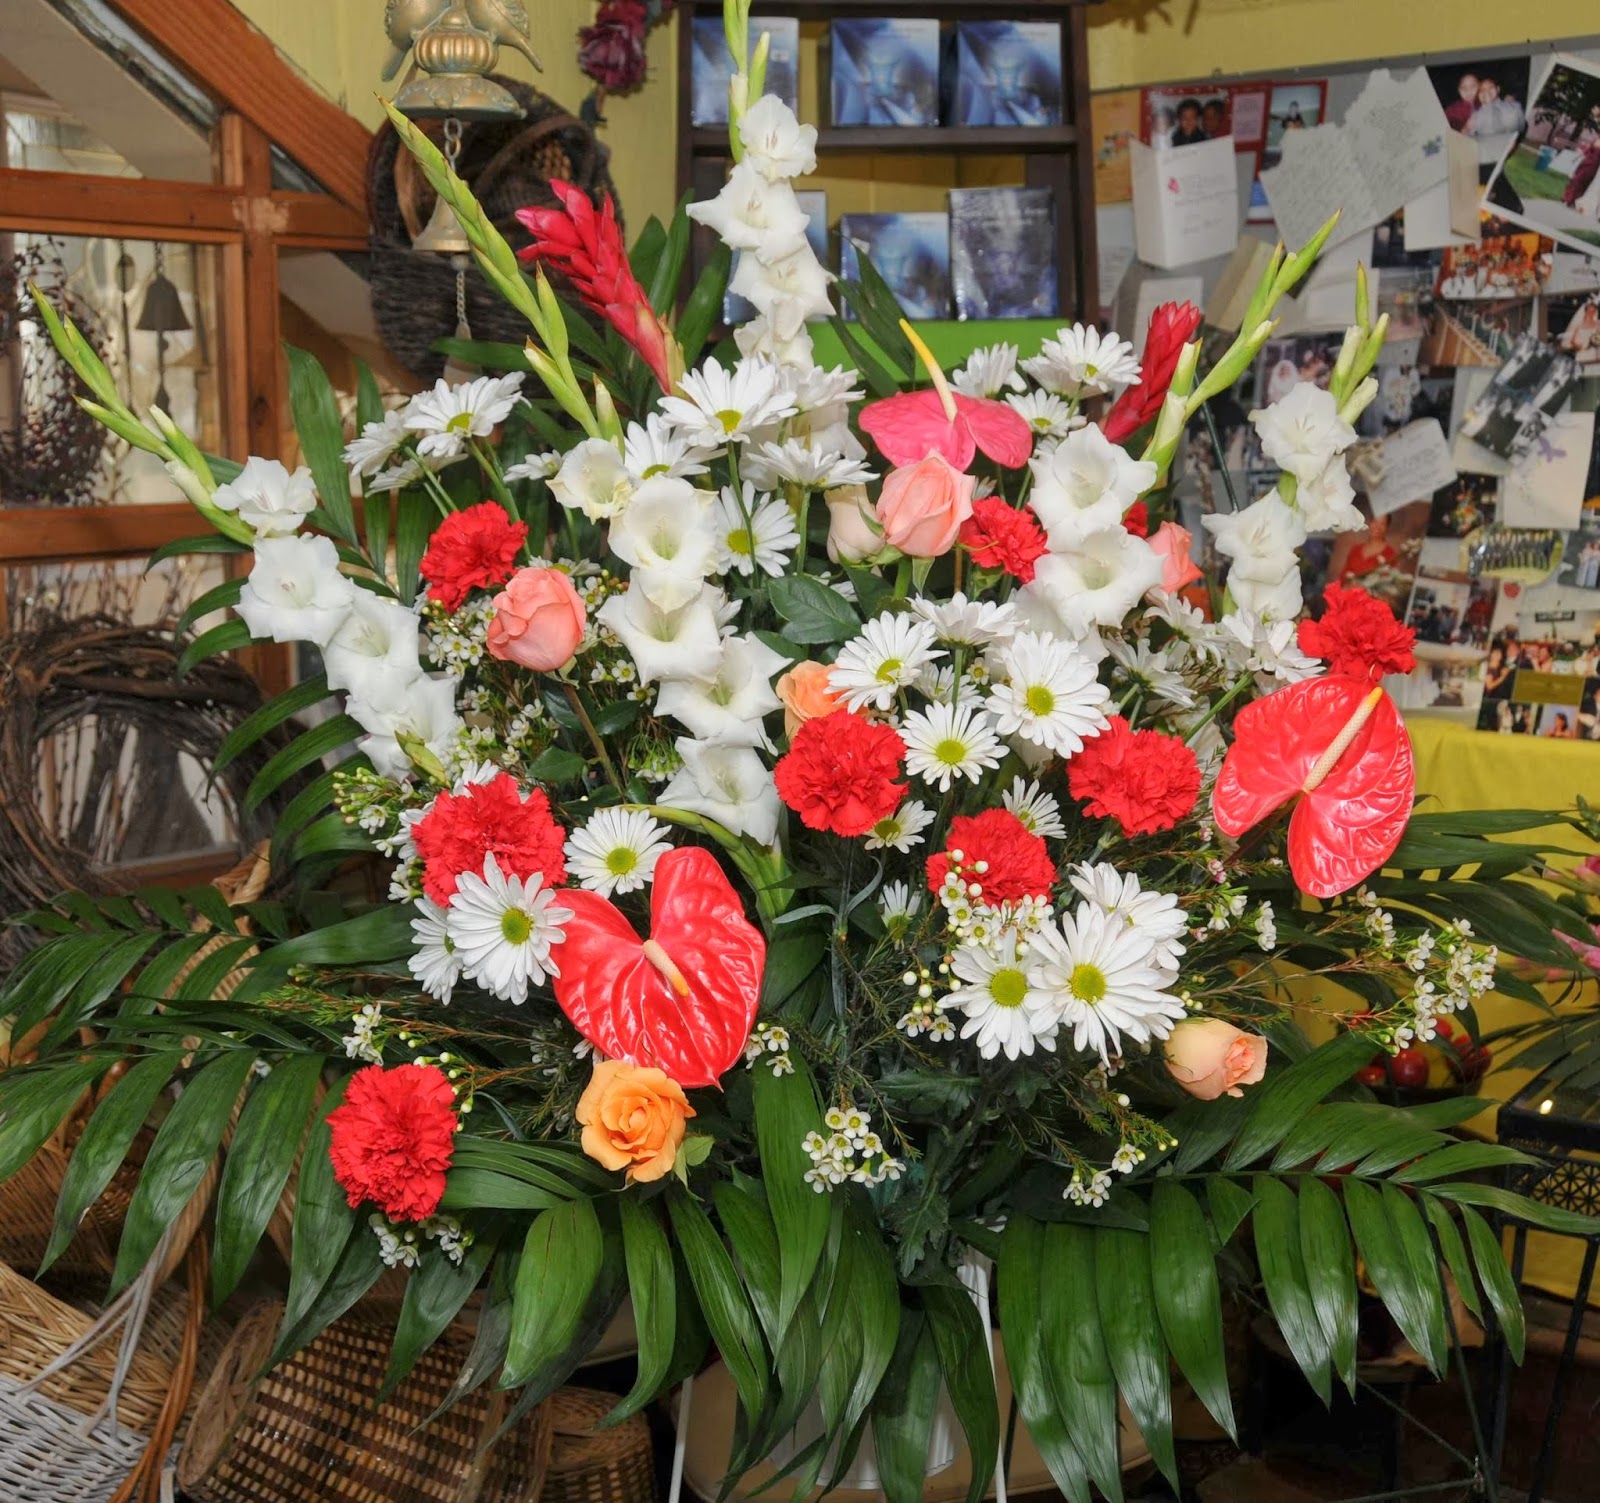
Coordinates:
column 443, row 235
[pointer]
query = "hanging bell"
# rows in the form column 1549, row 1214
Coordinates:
column 162, row 312
column 443, row 235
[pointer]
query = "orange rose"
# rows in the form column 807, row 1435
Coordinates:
column 633, row 1119
column 922, row 506
column 1210, row 1058
column 1177, row 565
column 806, row 696
column 538, row 620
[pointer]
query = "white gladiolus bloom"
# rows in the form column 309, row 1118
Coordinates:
column 1099, row 580
column 715, row 406
column 268, row 498
column 377, row 443
column 727, row 708
column 776, row 145
column 295, row 592
column 594, row 479
column 504, row 929
column 1262, row 541
column 1081, row 361
column 616, row 851
column 1050, row 696
column 1274, row 600
column 448, row 416
column 1303, row 431
column 1085, row 484
column 422, row 710
column 789, row 288
column 668, row 536
column 758, row 338
column 989, row 372
column 729, row 784
column 754, row 213
column 1327, row 503
column 685, row 643
column 377, row 643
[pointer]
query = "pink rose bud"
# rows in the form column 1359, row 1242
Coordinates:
column 1210, row 1058
column 1177, row 565
column 538, row 620
column 923, row 505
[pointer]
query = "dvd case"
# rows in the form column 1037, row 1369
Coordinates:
column 1003, row 252
column 1006, row 73
column 708, row 103
column 911, row 252
column 885, row 71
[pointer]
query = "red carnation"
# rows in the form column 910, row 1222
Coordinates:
column 1136, row 519
column 1172, row 326
column 1145, row 780
column 392, row 1139
column 489, row 819
column 1019, row 865
column 611, row 51
column 839, row 773
column 1358, row 635
column 471, row 550
column 1001, row 536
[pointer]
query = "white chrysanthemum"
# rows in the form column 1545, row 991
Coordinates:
column 657, row 448
column 1103, row 978
column 754, row 213
column 295, row 592
column 1253, row 645
column 758, row 535
column 1007, row 1010
column 1081, row 361
column 376, row 644
column 796, row 462
column 448, row 416
column 775, row 143
column 685, row 643
column 945, row 742
column 988, row 372
column 1155, row 915
column 1037, row 810
column 434, row 963
column 1045, row 412
column 535, row 467
column 727, row 708
column 716, row 406
column 812, row 388
column 669, row 537
column 1084, row 485
column 902, row 829
column 398, row 477
column 1050, row 695
column 616, row 851
column 1302, row 431
column 968, row 623
column 730, row 784
column 1098, row 581
column 1187, row 622
column 377, row 443
column 268, row 498
column 888, row 655
column 421, row 709
column 899, row 902
column 503, row 930
column 594, row 480
column 1150, row 672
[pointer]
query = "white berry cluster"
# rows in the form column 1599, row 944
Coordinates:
column 400, row 1246
column 770, row 1044
column 1266, row 927
column 849, row 1151
column 924, row 1015
column 362, row 1042
column 1090, row 1191
column 973, row 921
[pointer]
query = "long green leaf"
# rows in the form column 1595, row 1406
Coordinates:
column 205, row 542
column 488, row 1189
column 435, row 1293
column 220, row 597
column 560, row 1263
column 787, row 1109
column 1132, row 1331
column 1401, row 1264
column 1458, row 1158
column 1535, row 1212
column 1187, row 1297
column 48, row 974
column 370, row 938
column 316, row 423
column 1490, row 1259
column 104, row 977
column 225, row 636
column 869, row 1296
column 703, row 307
column 184, row 1147
column 902, row 1413
column 415, row 517
column 154, row 983
column 36, row 1102
column 306, row 748
column 271, row 1128
column 1229, row 1205
column 1287, row 1095
column 356, row 1269
column 1276, row 1223
column 651, row 1282
column 269, row 717
column 961, row 1338
column 1454, row 1252
column 323, row 1217
column 1075, row 1352
column 1330, row 1268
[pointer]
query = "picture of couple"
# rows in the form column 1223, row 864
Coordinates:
column 1549, row 176
column 1484, row 100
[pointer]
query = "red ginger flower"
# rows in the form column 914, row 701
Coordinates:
column 471, row 550
column 1145, row 780
column 1019, row 865
column 1001, row 536
column 839, row 773
column 1358, row 635
column 1172, row 326
column 611, row 51
column 587, row 248
column 493, row 818
column 392, row 1138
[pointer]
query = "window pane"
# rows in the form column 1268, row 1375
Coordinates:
column 40, row 136
column 120, row 589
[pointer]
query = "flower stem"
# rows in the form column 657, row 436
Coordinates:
column 1217, row 706
column 576, row 701
column 491, row 469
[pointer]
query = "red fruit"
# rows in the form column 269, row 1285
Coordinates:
column 1372, row 1075
column 1444, row 1027
column 1409, row 1068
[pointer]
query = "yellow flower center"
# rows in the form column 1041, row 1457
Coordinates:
column 1039, row 700
column 730, row 419
column 951, row 752
column 1008, row 987
column 889, row 671
column 620, row 860
column 1088, row 983
column 515, row 926
column 739, row 541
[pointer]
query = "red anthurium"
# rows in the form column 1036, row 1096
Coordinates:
column 916, row 424
column 1337, row 746
column 682, row 1000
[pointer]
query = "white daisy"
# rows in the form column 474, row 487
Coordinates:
column 1007, row 1011
column 1150, row 673
column 1098, row 581
column 988, row 372
column 657, row 448
column 1081, row 361
column 902, row 829
column 728, row 706
column 716, row 407
column 1046, row 414
column 888, row 655
column 1038, row 810
column 1103, row 979
column 377, row 443
column 503, row 929
column 807, row 465
column 758, row 535
column 730, row 784
column 448, row 416
column 1155, row 915
column 899, row 903
column 1190, row 624
column 968, row 623
column 434, row 962
column 1050, row 696
column 534, row 467
column 616, row 851
column 949, row 741
column 668, row 535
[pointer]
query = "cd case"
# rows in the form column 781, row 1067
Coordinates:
column 1003, row 252
column 911, row 252
column 1006, row 73
column 737, row 310
column 885, row 71
column 708, row 103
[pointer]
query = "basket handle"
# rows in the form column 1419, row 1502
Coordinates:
column 536, row 132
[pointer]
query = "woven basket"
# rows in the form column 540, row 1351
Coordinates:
column 588, row 1465
column 311, row 1430
column 46, row 1455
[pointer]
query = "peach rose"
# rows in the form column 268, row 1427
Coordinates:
column 633, row 1119
column 805, row 694
column 852, row 533
column 1210, row 1058
column 538, row 620
column 1177, row 565
column 922, row 506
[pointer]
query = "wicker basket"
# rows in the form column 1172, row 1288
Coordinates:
column 309, row 1430
column 588, row 1465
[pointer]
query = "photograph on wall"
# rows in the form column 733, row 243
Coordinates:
column 1451, row 609
column 1389, row 250
column 1114, row 123
column 1407, row 394
column 1525, row 394
column 1285, row 363
column 1383, row 558
column 1463, row 506
column 1204, row 112
column 1542, row 671
column 1580, row 551
column 1573, row 325
column 1498, row 266
column 1485, row 99
column 1548, row 177
column 1475, row 333
column 1292, row 106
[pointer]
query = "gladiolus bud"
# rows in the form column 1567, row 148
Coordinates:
column 1359, row 400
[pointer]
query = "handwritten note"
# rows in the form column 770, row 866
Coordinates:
column 1545, row 489
column 1416, row 462
column 1185, row 202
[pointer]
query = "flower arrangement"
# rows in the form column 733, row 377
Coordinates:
column 830, row 837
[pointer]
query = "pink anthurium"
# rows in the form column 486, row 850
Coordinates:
column 682, row 1000
column 1337, row 746
column 915, row 424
